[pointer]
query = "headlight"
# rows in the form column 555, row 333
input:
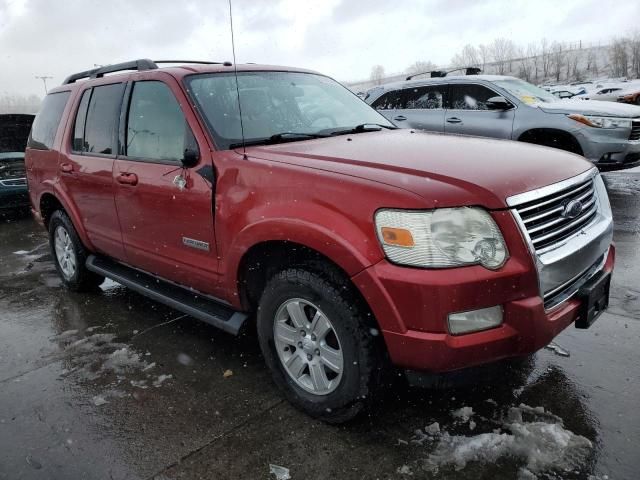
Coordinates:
column 445, row 237
column 603, row 197
column 601, row 122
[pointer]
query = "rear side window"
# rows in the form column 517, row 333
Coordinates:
column 156, row 126
column 430, row 97
column 470, row 97
column 78, row 129
column 389, row 101
column 101, row 127
column 45, row 126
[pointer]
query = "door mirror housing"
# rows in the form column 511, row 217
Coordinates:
column 498, row 103
column 190, row 158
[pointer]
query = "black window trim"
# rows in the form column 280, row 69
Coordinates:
column 124, row 117
column 84, row 129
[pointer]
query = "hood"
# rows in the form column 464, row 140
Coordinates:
column 446, row 170
column 591, row 107
column 14, row 131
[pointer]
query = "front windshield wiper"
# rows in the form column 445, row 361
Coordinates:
column 279, row 138
column 364, row 127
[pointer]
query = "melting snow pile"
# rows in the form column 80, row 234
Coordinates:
column 539, row 445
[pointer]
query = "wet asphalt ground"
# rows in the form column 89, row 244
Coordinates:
column 111, row 385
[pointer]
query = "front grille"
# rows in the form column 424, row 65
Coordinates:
column 635, row 130
column 570, row 287
column 16, row 182
column 543, row 217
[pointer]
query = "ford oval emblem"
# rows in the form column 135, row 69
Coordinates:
column 572, row 209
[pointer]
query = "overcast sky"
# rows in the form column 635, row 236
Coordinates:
column 342, row 38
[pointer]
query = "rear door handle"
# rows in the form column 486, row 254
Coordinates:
column 400, row 117
column 127, row 179
column 453, row 120
column 66, row 167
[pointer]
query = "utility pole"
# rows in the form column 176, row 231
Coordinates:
column 44, row 81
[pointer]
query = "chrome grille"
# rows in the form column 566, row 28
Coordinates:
column 543, row 217
column 16, row 182
column 635, row 130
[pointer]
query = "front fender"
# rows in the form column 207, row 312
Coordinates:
column 342, row 241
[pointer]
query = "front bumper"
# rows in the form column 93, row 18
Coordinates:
column 610, row 150
column 13, row 197
column 412, row 305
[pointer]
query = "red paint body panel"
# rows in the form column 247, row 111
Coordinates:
column 323, row 194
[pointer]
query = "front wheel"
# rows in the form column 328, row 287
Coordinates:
column 316, row 339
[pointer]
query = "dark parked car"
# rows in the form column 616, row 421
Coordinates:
column 14, row 131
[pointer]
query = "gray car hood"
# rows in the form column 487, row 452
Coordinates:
column 591, row 107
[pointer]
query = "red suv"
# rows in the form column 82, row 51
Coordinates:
column 228, row 191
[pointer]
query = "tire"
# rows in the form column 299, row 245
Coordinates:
column 320, row 296
column 69, row 255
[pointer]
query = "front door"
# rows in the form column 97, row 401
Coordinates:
column 423, row 108
column 468, row 113
column 165, row 210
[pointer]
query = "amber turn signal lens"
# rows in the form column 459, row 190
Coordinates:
column 397, row 236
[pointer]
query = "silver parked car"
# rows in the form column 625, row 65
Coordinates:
column 608, row 134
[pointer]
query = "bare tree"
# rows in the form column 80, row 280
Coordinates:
column 557, row 60
column 420, row 67
column 592, row 62
column 377, row 74
column 502, row 50
column 524, row 64
column 619, row 57
column 532, row 53
column 546, row 57
column 634, row 50
column 484, row 52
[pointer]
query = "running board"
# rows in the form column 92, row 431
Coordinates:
column 202, row 307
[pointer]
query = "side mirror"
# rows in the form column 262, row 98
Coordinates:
column 498, row 103
column 190, row 158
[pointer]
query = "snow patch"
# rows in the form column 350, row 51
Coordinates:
column 464, row 413
column 161, row 379
column 540, row 445
column 281, row 473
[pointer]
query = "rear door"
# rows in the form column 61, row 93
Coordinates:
column 423, row 108
column 86, row 165
column 467, row 112
column 165, row 210
column 389, row 105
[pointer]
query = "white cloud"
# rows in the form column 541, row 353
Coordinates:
column 342, row 38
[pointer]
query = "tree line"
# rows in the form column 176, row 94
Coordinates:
column 543, row 61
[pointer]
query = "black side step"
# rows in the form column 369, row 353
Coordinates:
column 202, row 307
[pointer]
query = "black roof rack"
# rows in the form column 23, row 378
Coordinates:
column 442, row 73
column 141, row 64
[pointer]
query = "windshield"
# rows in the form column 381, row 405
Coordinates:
column 529, row 94
column 274, row 103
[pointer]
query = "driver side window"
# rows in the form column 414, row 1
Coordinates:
column 156, row 126
column 470, row 97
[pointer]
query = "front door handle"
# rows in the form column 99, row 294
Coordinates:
column 127, row 179
column 400, row 117
column 453, row 120
column 66, row 168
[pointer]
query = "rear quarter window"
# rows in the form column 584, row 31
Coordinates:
column 45, row 126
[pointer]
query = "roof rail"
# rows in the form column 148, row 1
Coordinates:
column 441, row 73
column 202, row 62
column 142, row 64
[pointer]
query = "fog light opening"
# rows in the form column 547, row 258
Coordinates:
column 475, row 320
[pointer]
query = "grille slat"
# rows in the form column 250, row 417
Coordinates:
column 543, row 217
column 635, row 130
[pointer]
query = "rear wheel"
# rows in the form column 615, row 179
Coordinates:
column 315, row 338
column 69, row 255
